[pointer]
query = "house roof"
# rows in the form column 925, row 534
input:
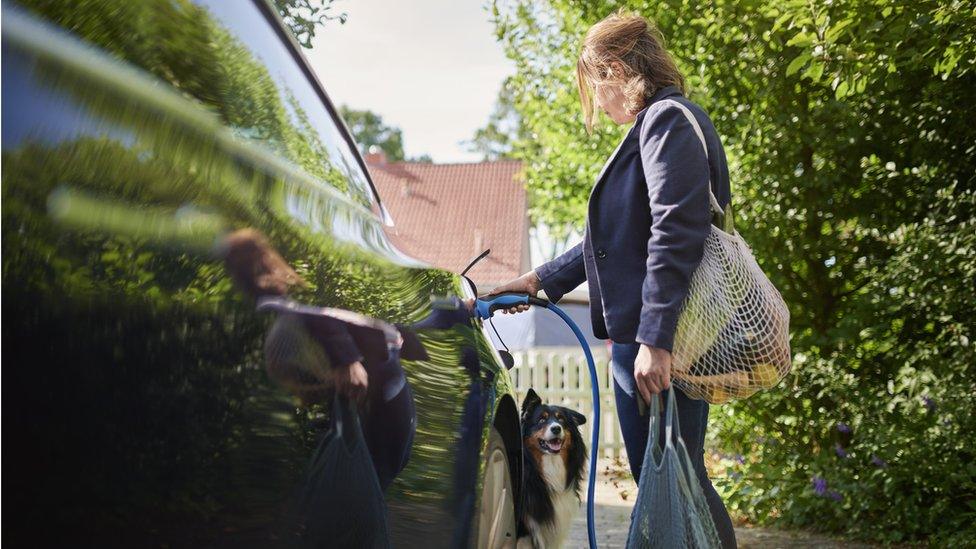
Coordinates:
column 446, row 214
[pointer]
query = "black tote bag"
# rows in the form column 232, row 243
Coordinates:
column 341, row 503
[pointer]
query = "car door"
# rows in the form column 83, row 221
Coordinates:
column 136, row 135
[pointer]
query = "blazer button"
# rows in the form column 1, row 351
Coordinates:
column 601, row 254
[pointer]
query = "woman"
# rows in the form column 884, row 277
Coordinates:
column 646, row 225
column 311, row 352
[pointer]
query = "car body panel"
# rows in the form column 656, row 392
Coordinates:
column 135, row 135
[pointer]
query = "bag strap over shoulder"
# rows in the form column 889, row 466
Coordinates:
column 713, row 202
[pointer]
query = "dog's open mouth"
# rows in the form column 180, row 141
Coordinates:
column 552, row 445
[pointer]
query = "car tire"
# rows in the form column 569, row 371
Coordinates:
column 496, row 515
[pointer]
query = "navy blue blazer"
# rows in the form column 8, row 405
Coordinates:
column 646, row 224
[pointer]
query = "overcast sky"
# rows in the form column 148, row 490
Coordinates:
column 431, row 67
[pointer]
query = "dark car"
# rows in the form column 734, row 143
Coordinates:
column 138, row 410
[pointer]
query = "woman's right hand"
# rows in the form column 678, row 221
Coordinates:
column 352, row 381
column 528, row 283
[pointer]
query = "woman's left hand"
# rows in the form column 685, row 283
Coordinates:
column 652, row 371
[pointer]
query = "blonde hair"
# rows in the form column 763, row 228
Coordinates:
column 638, row 46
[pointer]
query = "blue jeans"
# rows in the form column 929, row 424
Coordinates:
column 692, row 418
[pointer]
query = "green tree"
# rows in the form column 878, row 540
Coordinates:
column 496, row 140
column 422, row 159
column 304, row 17
column 854, row 165
column 370, row 131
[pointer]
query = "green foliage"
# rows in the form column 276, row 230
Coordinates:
column 853, row 161
column 304, row 17
column 179, row 43
column 901, row 379
column 496, row 140
column 370, row 131
column 559, row 160
column 424, row 159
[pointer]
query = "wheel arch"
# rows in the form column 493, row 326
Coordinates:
column 509, row 426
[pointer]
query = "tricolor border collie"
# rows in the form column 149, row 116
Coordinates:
column 553, row 460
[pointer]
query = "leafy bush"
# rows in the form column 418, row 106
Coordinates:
column 882, row 446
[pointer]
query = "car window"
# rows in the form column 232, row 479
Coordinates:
column 303, row 105
column 228, row 57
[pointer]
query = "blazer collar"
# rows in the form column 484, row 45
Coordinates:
column 660, row 94
column 609, row 162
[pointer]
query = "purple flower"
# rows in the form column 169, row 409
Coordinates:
column 819, row 485
column 929, row 404
column 878, row 462
column 843, row 427
column 841, row 452
column 735, row 475
column 835, row 495
column 740, row 458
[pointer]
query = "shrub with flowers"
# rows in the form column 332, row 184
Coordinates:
column 875, row 435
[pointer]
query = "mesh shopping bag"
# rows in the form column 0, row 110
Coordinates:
column 670, row 511
column 341, row 503
column 733, row 334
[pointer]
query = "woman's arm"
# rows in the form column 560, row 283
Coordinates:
column 334, row 336
column 676, row 169
column 556, row 277
column 562, row 274
column 344, row 355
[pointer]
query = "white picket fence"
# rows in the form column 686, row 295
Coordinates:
column 560, row 376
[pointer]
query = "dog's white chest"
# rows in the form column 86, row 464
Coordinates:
column 565, row 504
column 554, row 471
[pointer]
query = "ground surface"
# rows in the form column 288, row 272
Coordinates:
column 615, row 493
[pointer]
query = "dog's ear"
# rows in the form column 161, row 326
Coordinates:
column 531, row 401
column 578, row 418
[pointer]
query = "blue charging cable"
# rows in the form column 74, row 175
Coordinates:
column 485, row 308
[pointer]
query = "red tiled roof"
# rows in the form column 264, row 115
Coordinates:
column 446, row 214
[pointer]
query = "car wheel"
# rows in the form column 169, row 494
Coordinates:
column 496, row 517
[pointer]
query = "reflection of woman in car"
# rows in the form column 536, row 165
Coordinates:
column 312, row 351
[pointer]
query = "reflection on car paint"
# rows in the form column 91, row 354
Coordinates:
column 186, row 227
column 143, row 411
column 316, row 353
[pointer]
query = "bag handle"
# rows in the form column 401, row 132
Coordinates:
column 345, row 419
column 712, row 201
column 672, row 430
column 339, row 410
column 653, row 435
